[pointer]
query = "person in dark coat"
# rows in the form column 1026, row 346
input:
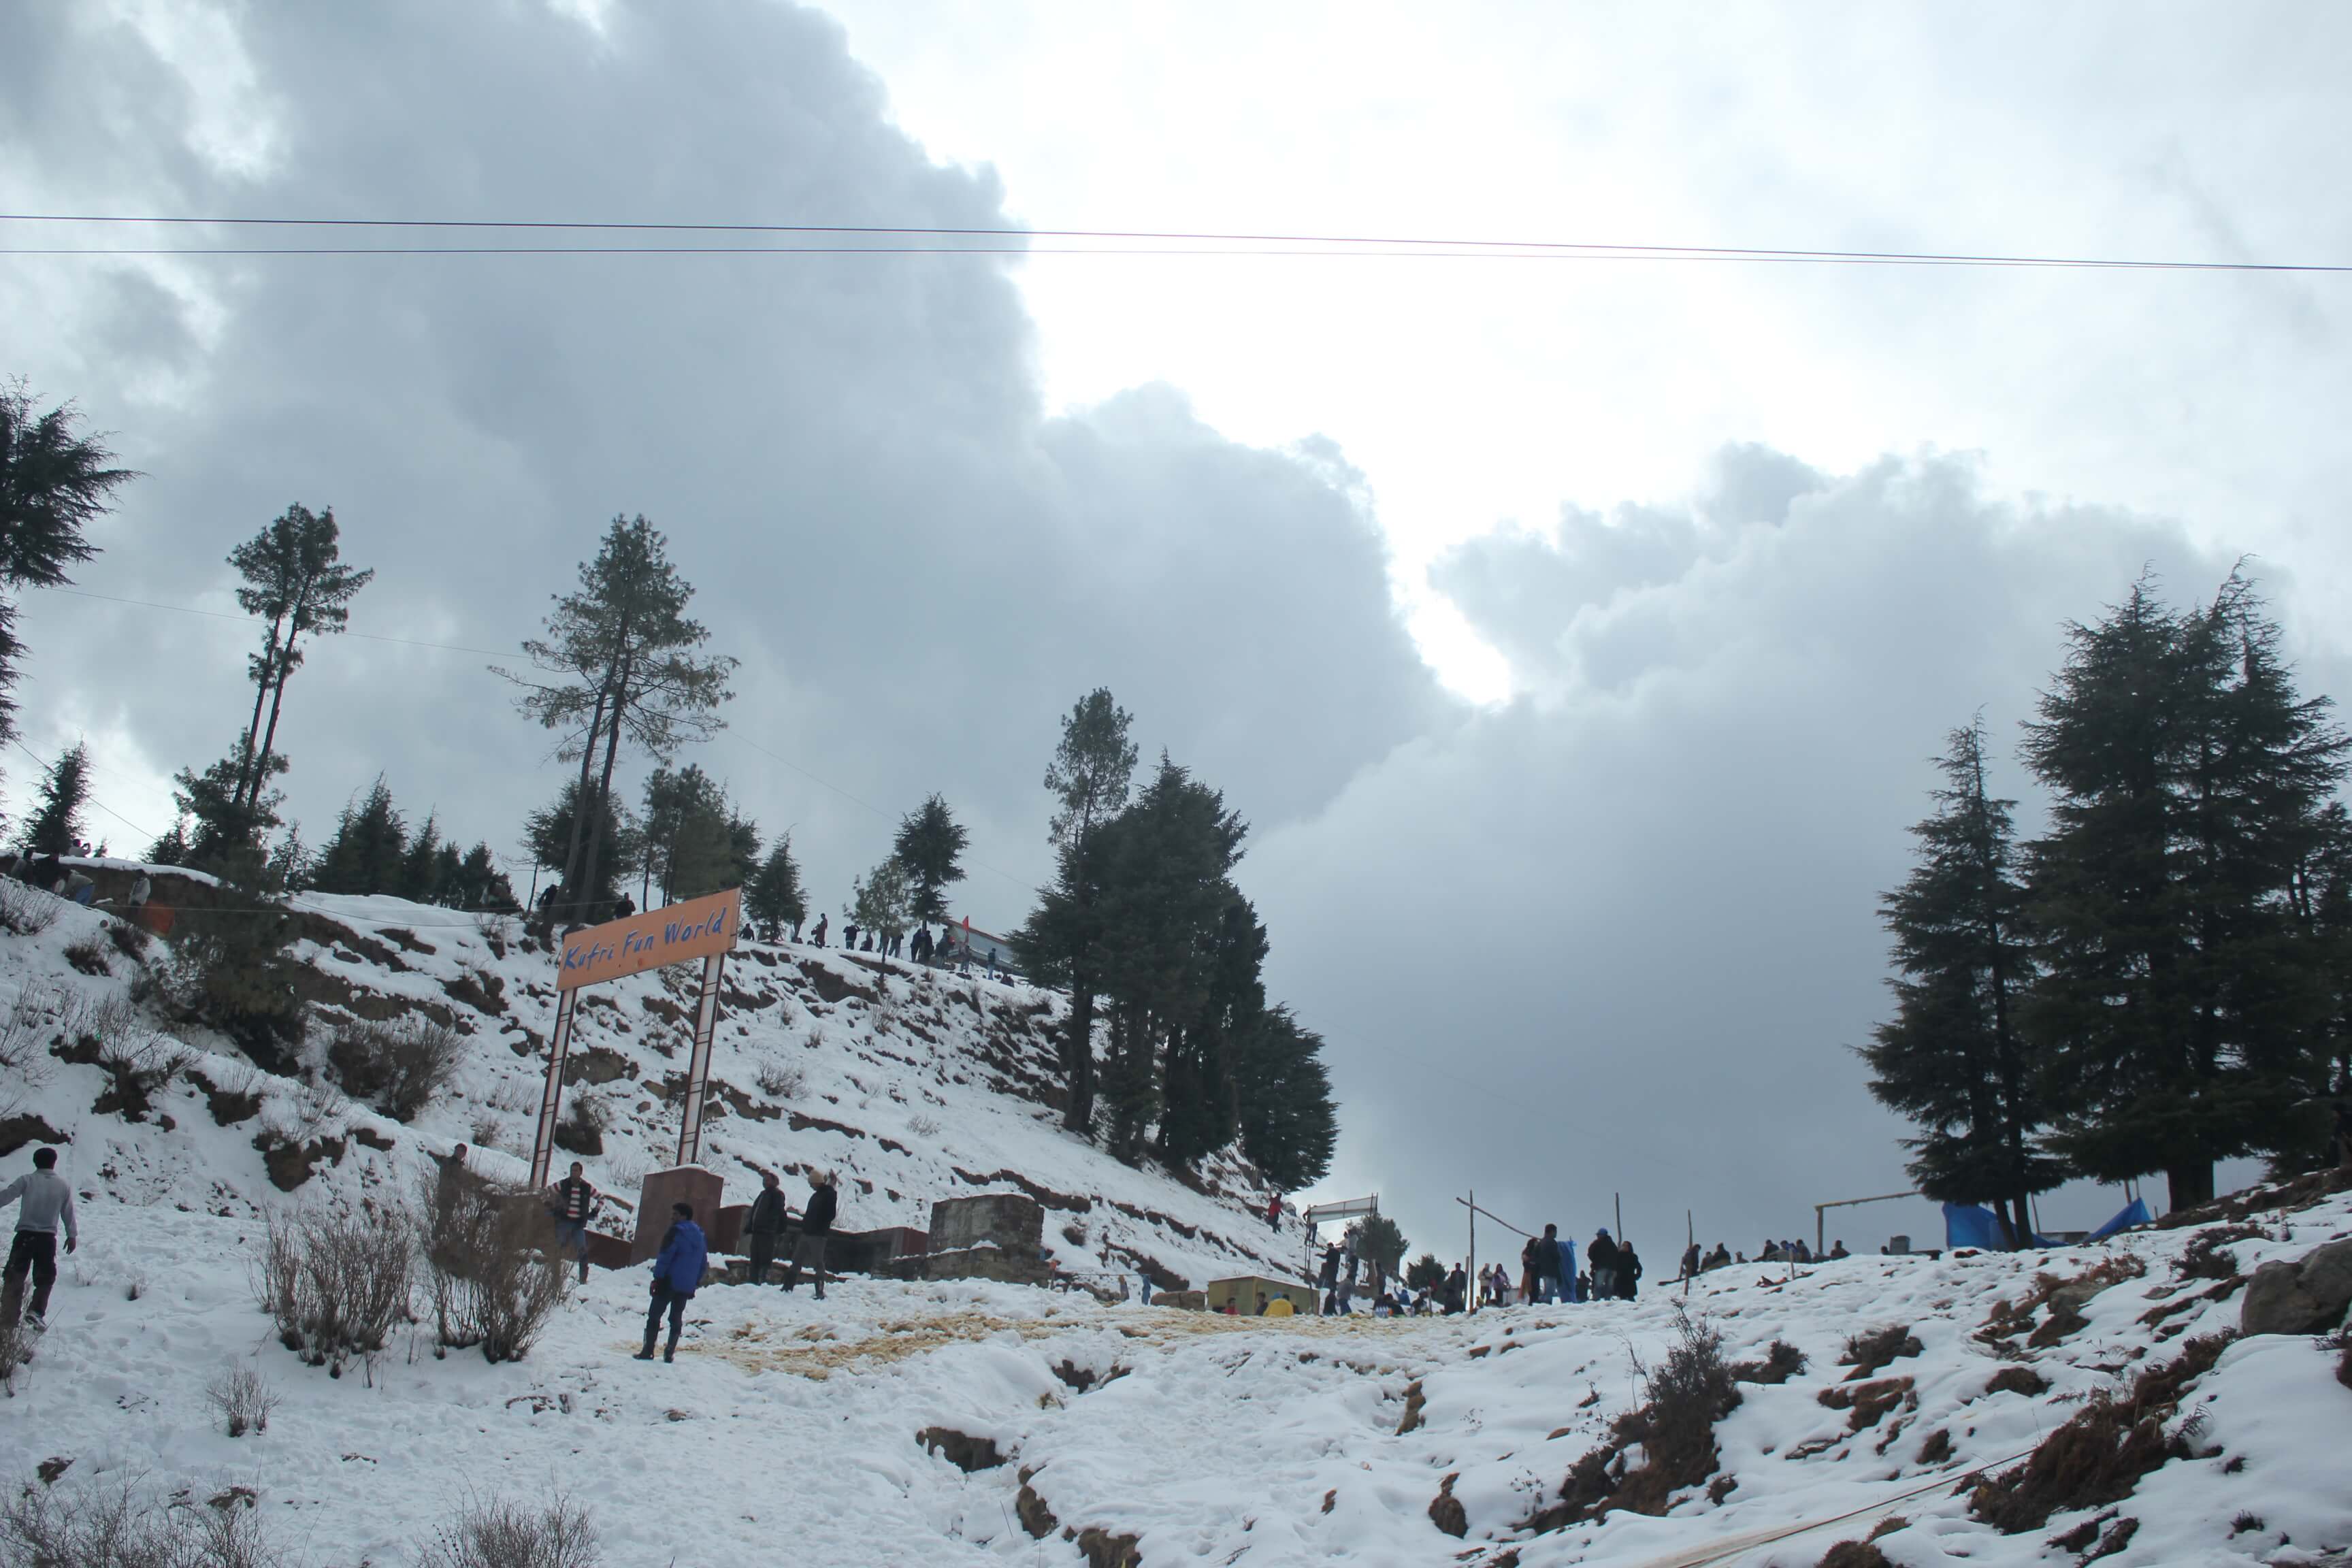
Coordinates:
column 1328, row 1278
column 1546, row 1265
column 1458, row 1291
column 817, row 1230
column 764, row 1229
column 1602, row 1256
column 1628, row 1270
column 677, row 1275
column 571, row 1204
column 849, row 937
column 816, row 935
column 920, row 949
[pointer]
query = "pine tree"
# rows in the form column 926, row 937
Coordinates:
column 1380, row 1241
column 420, row 863
column 620, row 653
column 1952, row 1059
column 549, row 834
column 57, row 826
column 929, row 844
column 1059, row 944
column 476, row 882
column 368, row 851
column 774, row 898
column 694, row 842
column 1289, row 1127
column 228, row 822
column 2180, row 1006
column 289, row 863
column 54, row 481
column 295, row 582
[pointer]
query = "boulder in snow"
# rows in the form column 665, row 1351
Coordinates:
column 2307, row 1296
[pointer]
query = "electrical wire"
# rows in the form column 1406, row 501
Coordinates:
column 1102, row 242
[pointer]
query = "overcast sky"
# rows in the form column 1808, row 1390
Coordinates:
column 1574, row 633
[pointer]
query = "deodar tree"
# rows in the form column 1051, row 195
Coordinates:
column 930, row 845
column 54, row 481
column 2185, row 1000
column 620, row 658
column 1952, row 1058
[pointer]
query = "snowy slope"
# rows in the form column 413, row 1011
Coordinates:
column 911, row 1085
column 789, row 1430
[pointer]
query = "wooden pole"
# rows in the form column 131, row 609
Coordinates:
column 1690, row 1239
column 1620, row 1200
column 1473, row 1251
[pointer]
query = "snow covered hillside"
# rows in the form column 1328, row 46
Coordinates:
column 911, row 1085
column 971, row 1422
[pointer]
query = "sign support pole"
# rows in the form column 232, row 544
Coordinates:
column 542, row 1147
column 697, row 1068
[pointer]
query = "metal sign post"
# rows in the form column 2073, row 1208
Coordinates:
column 698, row 1066
column 543, row 1146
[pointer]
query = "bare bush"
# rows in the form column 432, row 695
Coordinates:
column 337, row 1285
column 1875, row 1348
column 140, row 1065
column 923, row 1126
column 24, row 1049
column 501, row 1532
column 25, row 909
column 116, row 1526
column 396, row 1066
column 129, row 940
column 495, row 1271
column 243, row 1399
column 88, row 955
column 778, row 1080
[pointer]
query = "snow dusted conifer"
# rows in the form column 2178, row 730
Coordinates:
column 57, row 826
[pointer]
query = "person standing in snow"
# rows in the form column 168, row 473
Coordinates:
column 1274, row 1213
column 1457, row 1291
column 1628, row 1270
column 571, row 1204
column 1546, row 1255
column 677, row 1275
column 817, row 935
column 849, row 936
column 43, row 1198
column 764, row 1229
column 817, row 1230
column 1602, row 1253
column 1328, row 1278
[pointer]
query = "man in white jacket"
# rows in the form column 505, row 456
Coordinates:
column 44, row 1199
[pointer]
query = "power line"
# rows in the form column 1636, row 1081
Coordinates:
column 1102, row 242
column 226, row 615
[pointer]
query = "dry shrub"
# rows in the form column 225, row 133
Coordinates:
column 2065, row 1297
column 396, row 1066
column 1687, row 1394
column 88, row 955
column 1868, row 1351
column 2203, row 1258
column 24, row 1047
column 129, row 940
column 1782, row 1360
column 495, row 1271
column 1867, row 1402
column 499, row 1532
column 337, row 1285
column 243, row 1399
column 2018, row 1380
column 114, row 1526
column 2100, row 1454
column 25, row 909
column 780, row 1080
column 1854, row 1555
column 138, row 1066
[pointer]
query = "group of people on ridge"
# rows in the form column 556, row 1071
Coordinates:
column 1548, row 1272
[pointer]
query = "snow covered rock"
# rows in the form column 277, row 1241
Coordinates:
column 2305, row 1296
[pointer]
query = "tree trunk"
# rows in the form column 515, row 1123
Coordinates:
column 570, row 889
column 260, row 694
column 2189, row 1185
column 604, row 784
column 270, row 736
column 1079, row 1059
column 2021, row 1222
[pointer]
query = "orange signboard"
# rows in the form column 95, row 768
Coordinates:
column 695, row 929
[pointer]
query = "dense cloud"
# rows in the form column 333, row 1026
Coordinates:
column 1622, row 933
column 919, row 568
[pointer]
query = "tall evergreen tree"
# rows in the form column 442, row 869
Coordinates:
column 550, row 834
column 54, row 481
column 1951, row 1058
column 931, row 846
column 368, row 851
column 775, row 898
column 422, row 865
column 1289, row 1127
column 1090, row 778
column 620, row 657
column 694, row 842
column 2180, row 1005
column 57, row 826
column 297, row 584
column 475, row 881
column 227, row 824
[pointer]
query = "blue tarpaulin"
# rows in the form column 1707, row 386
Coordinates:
column 1969, row 1225
column 2137, row 1213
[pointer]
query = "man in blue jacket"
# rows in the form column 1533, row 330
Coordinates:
column 677, row 1275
